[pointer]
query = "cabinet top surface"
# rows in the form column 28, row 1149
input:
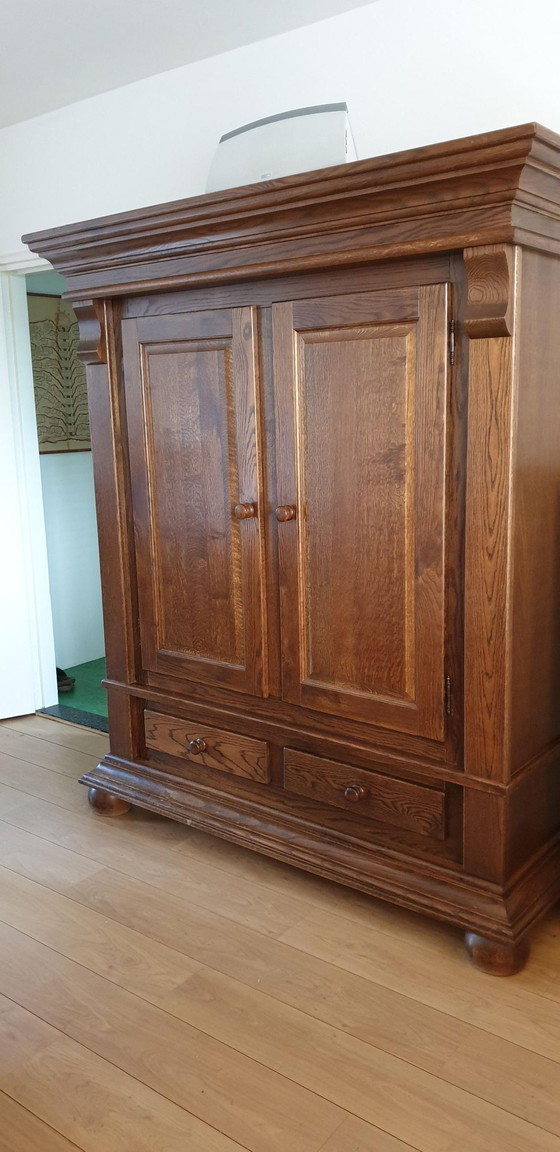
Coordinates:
column 496, row 187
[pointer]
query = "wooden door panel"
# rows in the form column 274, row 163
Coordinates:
column 361, row 395
column 193, row 426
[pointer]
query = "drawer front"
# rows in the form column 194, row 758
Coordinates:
column 207, row 746
column 416, row 807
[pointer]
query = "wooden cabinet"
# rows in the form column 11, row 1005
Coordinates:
column 326, row 440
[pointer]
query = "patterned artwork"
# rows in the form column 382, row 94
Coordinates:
column 59, row 378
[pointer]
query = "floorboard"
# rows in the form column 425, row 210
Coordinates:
column 161, row 989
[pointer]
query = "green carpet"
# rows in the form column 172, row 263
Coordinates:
column 87, row 695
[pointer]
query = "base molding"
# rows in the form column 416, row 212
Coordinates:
column 487, row 909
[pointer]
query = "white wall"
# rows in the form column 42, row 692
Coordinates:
column 73, row 555
column 411, row 71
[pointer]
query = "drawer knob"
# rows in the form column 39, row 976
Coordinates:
column 244, row 511
column 354, row 793
column 195, row 747
column 285, row 512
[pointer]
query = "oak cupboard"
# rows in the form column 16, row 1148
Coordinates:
column 326, row 432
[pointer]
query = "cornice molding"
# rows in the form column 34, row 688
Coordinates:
column 498, row 188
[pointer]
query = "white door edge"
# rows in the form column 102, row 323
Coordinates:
column 27, row 658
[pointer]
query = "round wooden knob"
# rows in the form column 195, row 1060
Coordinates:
column 285, row 512
column 353, row 792
column 195, row 747
column 244, row 511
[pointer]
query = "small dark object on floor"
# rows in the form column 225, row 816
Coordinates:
column 64, row 683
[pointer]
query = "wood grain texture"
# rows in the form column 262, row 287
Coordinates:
column 391, row 947
column 362, row 569
column 21, row 1130
column 192, row 410
column 491, row 271
column 355, row 1136
column 112, row 845
column 109, row 439
column 105, row 804
column 92, row 348
column 96, row 1105
column 418, row 880
column 377, row 1020
column 497, row 959
column 287, row 346
column 431, row 199
column 51, row 730
column 224, row 751
column 535, row 641
column 249, row 1103
column 487, row 557
column 392, row 801
column 432, row 269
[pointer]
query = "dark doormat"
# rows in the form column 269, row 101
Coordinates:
column 76, row 716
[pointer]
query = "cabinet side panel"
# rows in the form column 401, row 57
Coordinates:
column 487, row 570
column 110, row 464
column 535, row 685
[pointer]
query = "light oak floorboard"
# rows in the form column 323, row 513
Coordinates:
column 260, row 1109
column 439, row 978
column 57, row 731
column 120, row 954
column 212, row 850
column 263, row 1112
column 355, row 1136
column 95, row 1105
column 281, row 1037
column 115, row 843
column 43, row 783
column 67, row 761
column 434, row 973
column 21, row 1131
column 283, row 878
column 258, row 1006
column 349, row 1002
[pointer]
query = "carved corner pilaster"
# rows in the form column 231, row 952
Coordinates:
column 490, row 290
column 92, row 348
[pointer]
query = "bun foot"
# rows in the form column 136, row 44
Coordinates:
column 495, row 957
column 107, row 804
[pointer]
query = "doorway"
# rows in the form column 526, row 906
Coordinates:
column 69, row 503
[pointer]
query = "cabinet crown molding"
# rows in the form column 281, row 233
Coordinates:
column 496, row 188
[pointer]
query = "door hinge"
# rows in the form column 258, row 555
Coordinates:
column 448, row 695
column 451, row 342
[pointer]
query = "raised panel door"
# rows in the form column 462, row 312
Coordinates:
column 192, row 411
column 361, row 383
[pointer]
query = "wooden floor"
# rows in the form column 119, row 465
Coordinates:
column 163, row 991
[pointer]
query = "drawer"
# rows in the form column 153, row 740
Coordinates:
column 419, row 808
column 210, row 747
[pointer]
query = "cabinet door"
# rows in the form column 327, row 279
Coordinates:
column 361, row 408
column 192, row 396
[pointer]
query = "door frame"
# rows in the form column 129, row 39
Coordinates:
column 27, row 655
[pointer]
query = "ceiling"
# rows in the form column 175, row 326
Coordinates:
column 55, row 52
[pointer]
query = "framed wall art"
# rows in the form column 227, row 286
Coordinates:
column 59, row 378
